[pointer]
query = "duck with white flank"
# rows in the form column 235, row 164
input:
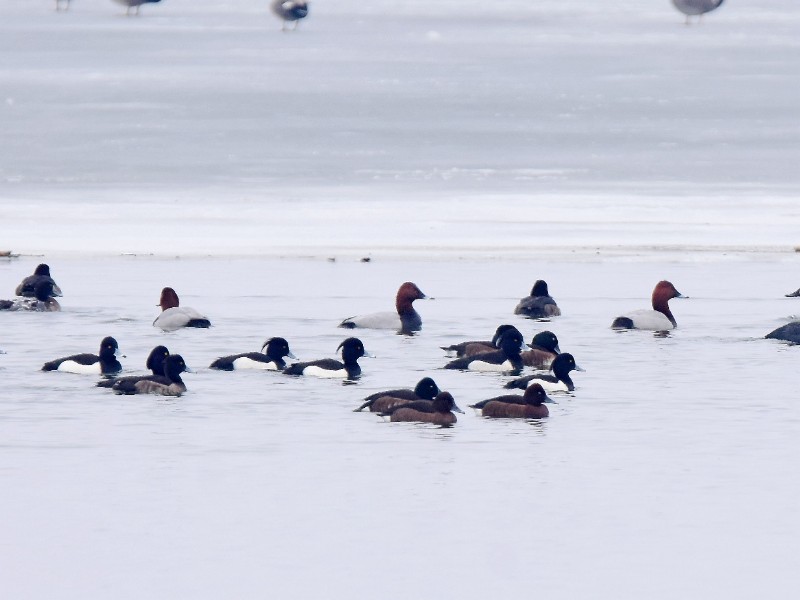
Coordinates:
column 352, row 349
column 103, row 363
column 174, row 316
column 405, row 320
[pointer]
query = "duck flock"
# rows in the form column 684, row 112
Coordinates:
column 505, row 353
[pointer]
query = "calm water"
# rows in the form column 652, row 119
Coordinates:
column 669, row 472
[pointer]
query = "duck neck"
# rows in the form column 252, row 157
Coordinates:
column 662, row 305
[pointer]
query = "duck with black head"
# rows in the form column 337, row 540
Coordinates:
column 543, row 350
column 174, row 316
column 41, row 274
column 559, row 381
column 290, row 11
column 439, row 411
column 539, row 305
column 271, row 359
column 42, row 301
column 155, row 362
column 658, row 319
column 426, row 389
column 405, row 320
column 329, row 368
column 478, row 347
column 170, row 384
column 103, row 363
column 530, row 405
column 506, row 359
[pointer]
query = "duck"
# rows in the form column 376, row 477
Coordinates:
column 426, row 389
column 478, row 347
column 405, row 320
column 788, row 333
column 696, row 7
column 539, row 305
column 439, row 411
column 27, row 287
column 352, row 349
column 543, row 350
column 506, row 358
column 174, row 316
column 170, row 384
column 658, row 319
column 559, row 381
column 103, row 363
column 290, row 10
column 134, row 4
column 155, row 362
column 530, row 405
column 42, row 301
column 794, row 294
column 272, row 360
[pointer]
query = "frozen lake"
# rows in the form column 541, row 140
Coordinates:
column 471, row 151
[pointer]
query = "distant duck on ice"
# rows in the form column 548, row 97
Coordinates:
column 697, row 8
column 290, row 10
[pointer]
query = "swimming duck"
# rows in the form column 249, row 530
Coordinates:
column 437, row 411
column 27, row 287
column 788, row 333
column 696, row 7
column 658, row 319
column 559, row 381
column 352, row 349
column 405, row 320
column 544, row 349
column 507, row 358
column 170, row 384
column 134, row 4
column 530, row 405
column 478, row 347
column 539, row 305
column 174, row 316
column 103, row 363
column 271, row 360
column 426, row 389
column 42, row 301
column 155, row 362
column 290, row 10
column 794, row 294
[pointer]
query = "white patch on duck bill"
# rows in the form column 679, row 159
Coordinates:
column 314, row 371
column 550, row 386
column 70, row 366
column 479, row 365
column 248, row 363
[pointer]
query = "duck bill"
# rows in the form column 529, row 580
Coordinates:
column 577, row 368
column 549, row 400
column 368, row 354
column 557, row 349
column 292, row 356
column 456, row 409
column 188, row 369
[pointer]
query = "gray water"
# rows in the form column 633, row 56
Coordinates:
column 471, row 149
column 668, row 472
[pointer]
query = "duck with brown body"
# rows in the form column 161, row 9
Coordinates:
column 42, row 300
column 472, row 348
column 27, row 287
column 170, row 384
column 530, row 405
column 426, row 389
column 539, row 305
column 438, row 411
